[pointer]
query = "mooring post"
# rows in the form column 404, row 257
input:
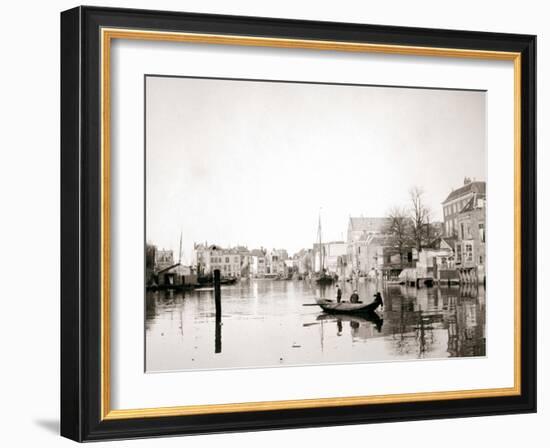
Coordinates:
column 217, row 293
column 218, row 302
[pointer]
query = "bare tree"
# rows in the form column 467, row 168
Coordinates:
column 420, row 216
column 434, row 231
column 399, row 230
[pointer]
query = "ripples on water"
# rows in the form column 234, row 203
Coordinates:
column 265, row 324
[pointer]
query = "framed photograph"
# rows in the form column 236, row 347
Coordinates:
column 273, row 223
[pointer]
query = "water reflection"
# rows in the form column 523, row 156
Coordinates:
column 361, row 325
column 264, row 323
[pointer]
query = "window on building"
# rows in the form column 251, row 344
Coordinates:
column 469, row 230
column 459, row 253
column 482, row 232
column 480, row 259
column 468, row 252
column 462, row 230
column 227, row 259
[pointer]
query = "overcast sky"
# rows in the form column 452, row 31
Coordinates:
column 252, row 163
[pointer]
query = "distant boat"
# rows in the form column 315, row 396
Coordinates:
column 208, row 280
column 324, row 279
column 331, row 306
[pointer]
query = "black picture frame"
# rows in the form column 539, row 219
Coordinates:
column 81, row 224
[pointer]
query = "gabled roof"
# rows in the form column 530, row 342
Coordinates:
column 257, row 253
column 449, row 241
column 472, row 187
column 472, row 204
column 205, row 246
column 369, row 224
column 169, row 267
column 382, row 240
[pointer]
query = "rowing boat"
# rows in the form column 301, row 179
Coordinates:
column 330, row 306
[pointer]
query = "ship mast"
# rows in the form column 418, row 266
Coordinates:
column 321, row 255
column 179, row 260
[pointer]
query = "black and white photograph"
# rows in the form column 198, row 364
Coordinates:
column 275, row 224
column 295, row 223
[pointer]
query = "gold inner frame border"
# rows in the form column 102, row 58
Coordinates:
column 107, row 35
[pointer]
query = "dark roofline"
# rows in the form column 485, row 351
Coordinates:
column 465, row 189
column 373, row 218
column 168, row 268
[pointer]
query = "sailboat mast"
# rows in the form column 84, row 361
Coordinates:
column 179, row 260
column 321, row 257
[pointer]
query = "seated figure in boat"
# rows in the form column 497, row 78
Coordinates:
column 378, row 300
column 354, row 298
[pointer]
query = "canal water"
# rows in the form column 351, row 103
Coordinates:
column 264, row 324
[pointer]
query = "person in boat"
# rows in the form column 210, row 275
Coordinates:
column 378, row 299
column 354, row 298
column 338, row 294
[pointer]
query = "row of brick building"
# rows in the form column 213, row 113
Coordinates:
column 457, row 254
column 238, row 262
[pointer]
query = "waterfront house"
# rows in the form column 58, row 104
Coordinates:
column 163, row 259
column 433, row 261
column 372, row 251
column 456, row 201
column 176, row 275
column 275, row 262
column 333, row 252
column 208, row 258
column 360, row 233
column 244, row 254
column 305, row 261
column 388, row 260
column 470, row 243
column 258, row 263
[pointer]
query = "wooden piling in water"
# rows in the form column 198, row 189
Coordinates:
column 218, row 293
column 218, row 302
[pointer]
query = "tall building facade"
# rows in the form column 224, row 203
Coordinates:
column 456, row 201
column 212, row 257
column 470, row 243
column 361, row 233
